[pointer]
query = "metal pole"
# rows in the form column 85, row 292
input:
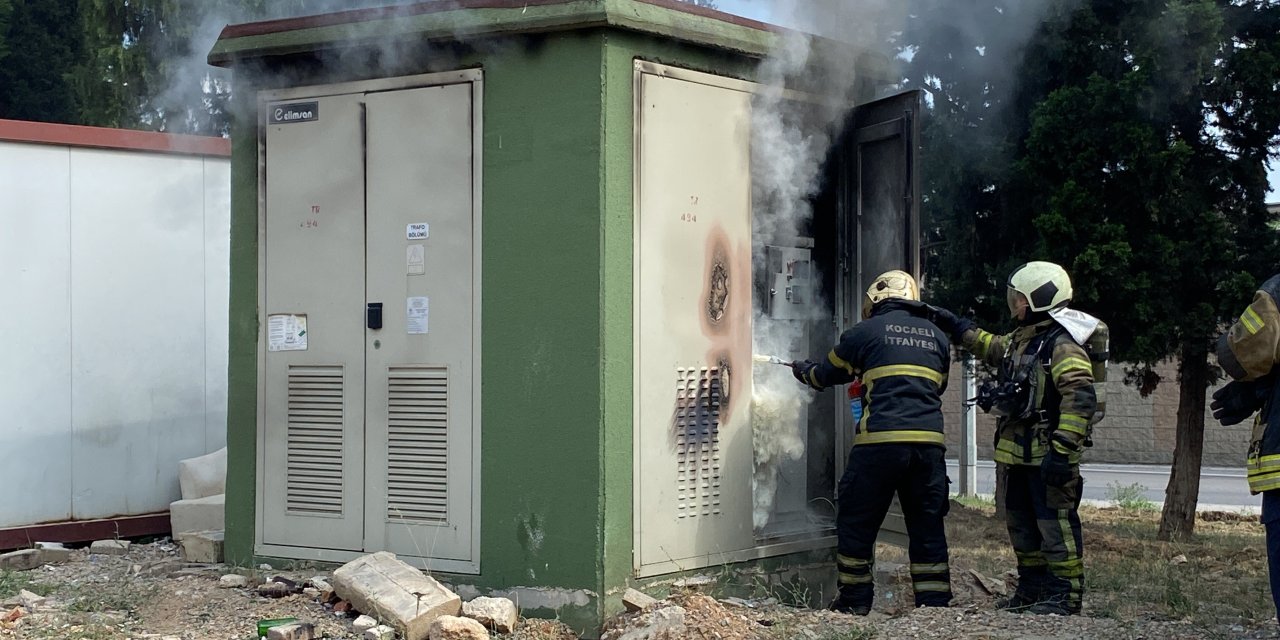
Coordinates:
column 969, row 435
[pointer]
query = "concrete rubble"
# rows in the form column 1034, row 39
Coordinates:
column 396, row 593
column 380, row 632
column 456, row 628
column 203, row 546
column 110, row 547
column 22, row 560
column 233, row 581
column 202, row 481
column 53, row 552
column 497, row 614
column 635, row 600
column 662, row 623
column 295, row 631
column 364, row 623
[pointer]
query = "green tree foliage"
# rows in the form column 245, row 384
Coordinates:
column 1129, row 146
column 39, row 48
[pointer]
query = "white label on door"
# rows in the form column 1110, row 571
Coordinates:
column 417, row 231
column 417, row 315
column 415, row 258
column 287, row 332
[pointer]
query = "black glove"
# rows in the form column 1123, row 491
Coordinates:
column 801, row 368
column 1055, row 469
column 1235, row 402
column 951, row 324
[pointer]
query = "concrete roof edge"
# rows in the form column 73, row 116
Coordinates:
column 463, row 19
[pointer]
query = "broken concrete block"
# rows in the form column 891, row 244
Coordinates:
column 666, row 622
column 363, row 623
column 31, row 601
column 110, row 547
column 498, row 614
column 455, row 628
column 203, row 476
column 380, row 632
column 635, row 600
column 204, row 546
column 294, row 631
column 200, row 514
column 233, row 581
column 396, row 593
column 321, row 584
column 22, row 560
column 53, row 552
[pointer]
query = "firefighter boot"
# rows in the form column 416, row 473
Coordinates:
column 855, row 602
column 1030, row 591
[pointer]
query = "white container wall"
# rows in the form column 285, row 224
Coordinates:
column 114, row 252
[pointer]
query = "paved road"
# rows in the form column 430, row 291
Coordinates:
column 1221, row 488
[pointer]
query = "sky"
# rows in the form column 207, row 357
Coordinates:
column 763, row 10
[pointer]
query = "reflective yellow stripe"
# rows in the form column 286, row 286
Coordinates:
column 852, row 563
column 839, row 362
column 848, row 579
column 1252, row 321
column 911, row 437
column 984, row 343
column 903, row 370
column 1069, row 363
column 1073, row 423
column 931, row 586
column 1265, row 464
column 1067, row 539
column 1067, row 569
column 937, row 567
column 1257, row 485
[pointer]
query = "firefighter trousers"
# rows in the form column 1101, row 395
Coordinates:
column 917, row 473
column 1271, row 520
column 1044, row 527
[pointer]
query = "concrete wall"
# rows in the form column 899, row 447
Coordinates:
column 1136, row 430
column 113, row 273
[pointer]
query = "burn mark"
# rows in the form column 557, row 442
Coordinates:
column 718, row 269
column 718, row 295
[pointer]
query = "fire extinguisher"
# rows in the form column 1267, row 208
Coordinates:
column 855, row 402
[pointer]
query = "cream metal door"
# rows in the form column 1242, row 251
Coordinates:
column 420, row 268
column 369, row 436
column 693, row 324
column 312, row 465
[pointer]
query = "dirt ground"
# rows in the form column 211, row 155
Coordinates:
column 1212, row 587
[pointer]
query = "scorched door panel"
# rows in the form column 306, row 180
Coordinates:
column 313, row 325
column 420, row 269
column 693, row 314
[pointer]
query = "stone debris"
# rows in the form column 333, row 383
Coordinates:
column 396, row 593
column 321, row 584
column 17, row 612
column 497, row 614
column 380, row 632
column 694, row 582
column 635, row 600
column 22, row 560
column 363, row 623
column 233, row 581
column 456, row 628
column 203, row 546
column 662, row 623
column 110, row 547
column 53, row 552
column 992, row 586
column 1178, row 559
column 31, row 601
column 294, row 631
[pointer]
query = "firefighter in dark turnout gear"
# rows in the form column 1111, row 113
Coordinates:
column 1045, row 401
column 1250, row 353
column 902, row 359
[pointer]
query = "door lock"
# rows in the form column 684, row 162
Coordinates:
column 373, row 315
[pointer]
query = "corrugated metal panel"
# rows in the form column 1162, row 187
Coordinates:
column 697, row 424
column 418, row 443
column 315, row 442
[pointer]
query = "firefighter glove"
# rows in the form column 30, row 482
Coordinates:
column 1055, row 469
column 950, row 323
column 803, row 371
column 1235, row 402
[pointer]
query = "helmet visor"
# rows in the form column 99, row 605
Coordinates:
column 1014, row 300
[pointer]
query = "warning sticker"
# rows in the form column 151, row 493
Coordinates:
column 287, row 332
column 416, row 260
column 417, row 231
column 417, row 315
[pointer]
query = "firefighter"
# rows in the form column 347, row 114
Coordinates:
column 902, row 359
column 1044, row 400
column 1250, row 353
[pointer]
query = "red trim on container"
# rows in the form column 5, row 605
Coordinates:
column 85, row 530
column 104, row 138
column 435, row 6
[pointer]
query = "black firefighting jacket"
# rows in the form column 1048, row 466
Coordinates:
column 903, row 360
column 1250, row 351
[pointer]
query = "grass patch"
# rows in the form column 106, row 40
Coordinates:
column 1129, row 575
column 1130, row 497
column 116, row 595
column 11, row 582
column 976, row 501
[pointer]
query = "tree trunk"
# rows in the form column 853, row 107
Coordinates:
column 1178, row 519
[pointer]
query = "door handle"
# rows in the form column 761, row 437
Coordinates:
column 373, row 315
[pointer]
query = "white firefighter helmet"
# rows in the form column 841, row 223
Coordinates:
column 891, row 284
column 1045, row 285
